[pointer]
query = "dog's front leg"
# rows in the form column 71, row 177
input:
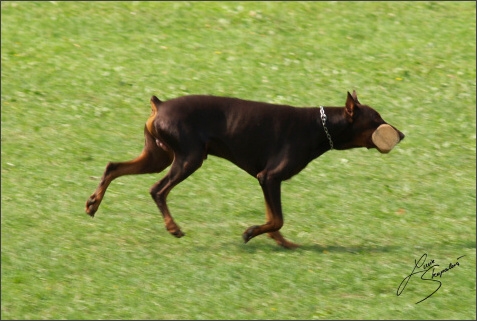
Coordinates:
column 278, row 237
column 271, row 191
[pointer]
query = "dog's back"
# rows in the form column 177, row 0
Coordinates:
column 226, row 127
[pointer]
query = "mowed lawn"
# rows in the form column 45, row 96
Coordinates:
column 75, row 88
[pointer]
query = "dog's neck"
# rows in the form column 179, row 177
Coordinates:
column 324, row 119
column 333, row 127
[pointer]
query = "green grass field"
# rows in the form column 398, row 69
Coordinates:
column 76, row 82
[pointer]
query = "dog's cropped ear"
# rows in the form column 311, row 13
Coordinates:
column 155, row 102
column 350, row 106
column 355, row 96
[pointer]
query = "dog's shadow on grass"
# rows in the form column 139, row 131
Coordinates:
column 353, row 249
column 317, row 248
column 270, row 246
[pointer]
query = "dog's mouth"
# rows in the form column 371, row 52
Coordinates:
column 385, row 137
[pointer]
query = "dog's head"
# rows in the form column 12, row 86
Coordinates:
column 366, row 127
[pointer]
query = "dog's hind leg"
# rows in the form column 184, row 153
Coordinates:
column 153, row 159
column 181, row 168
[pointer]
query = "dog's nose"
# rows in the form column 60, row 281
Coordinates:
column 401, row 135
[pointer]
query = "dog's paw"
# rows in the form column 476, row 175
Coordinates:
column 248, row 234
column 288, row 245
column 177, row 233
column 277, row 236
column 91, row 205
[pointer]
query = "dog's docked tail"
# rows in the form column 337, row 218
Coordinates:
column 155, row 102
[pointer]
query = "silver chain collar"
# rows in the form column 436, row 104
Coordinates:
column 323, row 121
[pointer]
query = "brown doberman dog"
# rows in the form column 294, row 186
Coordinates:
column 270, row 142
